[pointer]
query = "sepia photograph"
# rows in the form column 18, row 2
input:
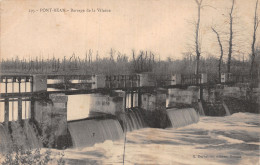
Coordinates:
column 130, row 82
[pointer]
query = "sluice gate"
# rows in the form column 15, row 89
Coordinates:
column 128, row 102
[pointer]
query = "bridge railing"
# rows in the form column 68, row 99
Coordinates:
column 191, row 79
column 234, row 78
column 122, row 81
column 16, row 83
column 64, row 82
column 13, row 109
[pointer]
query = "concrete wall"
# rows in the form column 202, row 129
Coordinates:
column 106, row 104
column 59, row 114
column 236, row 92
column 51, row 115
column 256, row 95
column 152, row 102
column 184, row 96
column 176, row 79
column 39, row 83
column 146, row 80
column 99, row 81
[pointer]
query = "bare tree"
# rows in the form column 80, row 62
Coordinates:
column 256, row 22
column 221, row 52
column 197, row 44
column 230, row 36
column 112, row 52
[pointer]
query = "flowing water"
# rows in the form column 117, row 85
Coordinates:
column 231, row 139
column 4, row 137
column 23, row 135
column 89, row 132
column 182, row 117
column 212, row 141
column 134, row 120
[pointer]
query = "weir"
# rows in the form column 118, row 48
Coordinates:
column 19, row 135
column 182, row 117
column 89, row 132
column 133, row 102
column 134, row 120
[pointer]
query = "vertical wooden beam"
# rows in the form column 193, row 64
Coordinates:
column 125, row 101
column 6, row 119
column 124, row 81
column 31, row 84
column 131, row 82
column 25, row 90
column 201, row 93
column 12, row 86
column 132, row 99
column 32, row 109
column 19, row 83
column 20, row 109
column 6, row 84
column 139, row 98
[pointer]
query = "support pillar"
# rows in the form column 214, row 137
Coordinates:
column 132, row 99
column 32, row 109
column 124, row 103
column 38, row 83
column 6, row 110
column 19, row 109
column 139, row 98
column 58, row 118
column 201, row 93
column 6, row 84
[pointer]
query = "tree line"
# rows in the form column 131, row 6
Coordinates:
column 254, row 63
column 119, row 63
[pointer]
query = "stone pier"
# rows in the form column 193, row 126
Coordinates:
column 112, row 103
column 51, row 117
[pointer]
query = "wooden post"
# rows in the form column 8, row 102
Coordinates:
column 32, row 109
column 19, row 109
column 132, row 99
column 201, row 93
column 31, row 84
column 139, row 98
column 6, row 119
column 124, row 81
column 19, row 81
column 125, row 101
column 6, row 84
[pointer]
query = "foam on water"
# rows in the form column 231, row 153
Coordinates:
column 213, row 140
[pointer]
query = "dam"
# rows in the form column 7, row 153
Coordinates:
column 61, row 111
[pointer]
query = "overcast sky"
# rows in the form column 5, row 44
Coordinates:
column 162, row 26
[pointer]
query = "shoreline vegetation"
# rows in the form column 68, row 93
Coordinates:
column 24, row 145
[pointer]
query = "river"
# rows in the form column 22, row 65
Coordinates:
column 212, row 141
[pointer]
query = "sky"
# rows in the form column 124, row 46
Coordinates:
column 161, row 26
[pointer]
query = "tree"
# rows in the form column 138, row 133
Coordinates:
column 197, row 44
column 221, row 52
column 253, row 48
column 230, row 36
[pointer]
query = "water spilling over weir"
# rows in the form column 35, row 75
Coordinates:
column 182, row 117
column 5, row 138
column 19, row 135
column 89, row 132
column 134, row 120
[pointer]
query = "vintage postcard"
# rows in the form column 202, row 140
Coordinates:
column 167, row 82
